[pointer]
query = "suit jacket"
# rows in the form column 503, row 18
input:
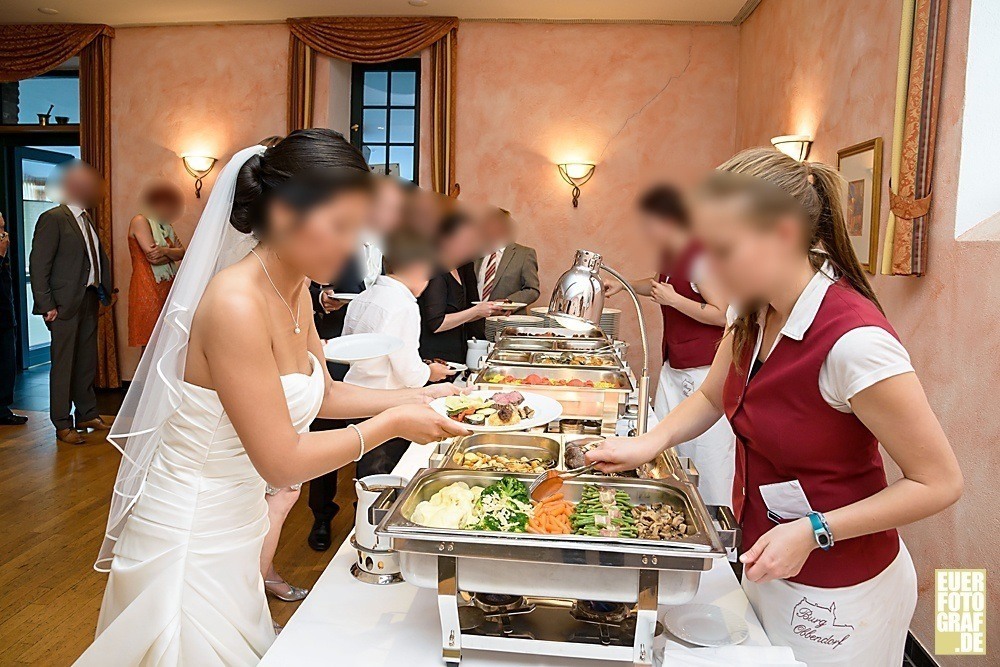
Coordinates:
column 8, row 318
column 517, row 275
column 60, row 262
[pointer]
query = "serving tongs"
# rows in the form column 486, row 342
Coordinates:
column 554, row 479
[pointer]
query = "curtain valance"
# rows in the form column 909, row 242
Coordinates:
column 32, row 49
column 375, row 39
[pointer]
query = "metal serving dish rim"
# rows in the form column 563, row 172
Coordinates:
column 461, row 445
column 621, row 375
column 533, row 356
column 704, row 543
column 559, row 333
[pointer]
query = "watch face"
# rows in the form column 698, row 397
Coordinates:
column 823, row 540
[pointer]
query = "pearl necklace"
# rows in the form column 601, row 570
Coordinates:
column 298, row 308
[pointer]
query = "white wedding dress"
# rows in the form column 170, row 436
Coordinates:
column 185, row 585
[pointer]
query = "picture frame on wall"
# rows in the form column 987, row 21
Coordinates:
column 861, row 167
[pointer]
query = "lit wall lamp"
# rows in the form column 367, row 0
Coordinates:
column 576, row 174
column 198, row 166
column 795, row 146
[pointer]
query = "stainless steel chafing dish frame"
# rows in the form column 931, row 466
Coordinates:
column 649, row 560
column 534, row 359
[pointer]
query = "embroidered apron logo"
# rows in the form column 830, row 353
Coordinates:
column 960, row 612
column 819, row 624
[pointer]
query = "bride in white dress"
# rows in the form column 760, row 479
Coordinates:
column 222, row 401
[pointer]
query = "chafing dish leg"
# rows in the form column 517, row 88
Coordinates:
column 645, row 622
column 451, row 630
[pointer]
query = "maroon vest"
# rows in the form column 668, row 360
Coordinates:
column 687, row 343
column 786, row 431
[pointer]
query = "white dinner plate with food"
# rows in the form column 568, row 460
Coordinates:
column 457, row 367
column 359, row 347
column 706, row 625
column 493, row 411
column 343, row 296
column 504, row 305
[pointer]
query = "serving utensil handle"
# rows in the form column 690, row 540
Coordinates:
column 730, row 533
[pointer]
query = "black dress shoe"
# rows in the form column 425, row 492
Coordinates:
column 13, row 420
column 319, row 536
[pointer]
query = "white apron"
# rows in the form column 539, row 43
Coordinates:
column 864, row 624
column 714, row 451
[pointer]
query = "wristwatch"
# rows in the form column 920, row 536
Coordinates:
column 821, row 530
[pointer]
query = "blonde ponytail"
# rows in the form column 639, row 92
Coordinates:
column 774, row 184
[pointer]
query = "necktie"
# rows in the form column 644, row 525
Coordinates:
column 95, row 263
column 489, row 279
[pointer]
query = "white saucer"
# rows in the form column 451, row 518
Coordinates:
column 358, row 347
column 344, row 296
column 706, row 625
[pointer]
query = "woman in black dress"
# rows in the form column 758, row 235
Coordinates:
column 448, row 315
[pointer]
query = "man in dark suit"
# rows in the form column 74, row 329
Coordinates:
column 8, row 338
column 69, row 273
column 509, row 270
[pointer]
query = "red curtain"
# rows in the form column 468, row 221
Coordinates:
column 375, row 39
column 29, row 50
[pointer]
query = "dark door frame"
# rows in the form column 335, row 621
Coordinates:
column 12, row 139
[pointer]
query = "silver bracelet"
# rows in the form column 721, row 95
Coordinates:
column 361, row 438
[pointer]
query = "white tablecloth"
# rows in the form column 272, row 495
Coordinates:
column 346, row 622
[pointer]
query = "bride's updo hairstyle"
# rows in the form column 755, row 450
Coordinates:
column 303, row 170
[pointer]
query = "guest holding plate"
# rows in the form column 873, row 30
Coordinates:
column 812, row 378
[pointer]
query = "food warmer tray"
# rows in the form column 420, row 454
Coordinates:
column 693, row 552
column 529, row 358
column 555, row 344
column 554, row 333
column 636, row 572
column 577, row 402
column 546, row 447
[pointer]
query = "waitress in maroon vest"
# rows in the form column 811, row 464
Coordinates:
column 812, row 378
column 694, row 317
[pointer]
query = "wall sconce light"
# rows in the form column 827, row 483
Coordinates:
column 795, row 146
column 198, row 166
column 576, row 174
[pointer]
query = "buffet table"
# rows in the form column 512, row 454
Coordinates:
column 346, row 622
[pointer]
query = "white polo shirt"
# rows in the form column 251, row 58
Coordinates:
column 859, row 359
column 387, row 307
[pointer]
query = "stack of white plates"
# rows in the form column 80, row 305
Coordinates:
column 543, row 312
column 611, row 320
column 497, row 323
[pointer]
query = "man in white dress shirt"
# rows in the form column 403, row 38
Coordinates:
column 389, row 307
column 69, row 273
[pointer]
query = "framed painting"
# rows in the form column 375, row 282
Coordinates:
column 861, row 167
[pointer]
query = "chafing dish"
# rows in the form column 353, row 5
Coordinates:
column 511, row 445
column 554, row 574
column 577, row 402
column 551, row 332
column 552, row 358
column 666, row 466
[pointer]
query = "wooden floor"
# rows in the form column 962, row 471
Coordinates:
column 53, row 508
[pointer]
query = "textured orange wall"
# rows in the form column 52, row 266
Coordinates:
column 183, row 89
column 643, row 102
column 829, row 69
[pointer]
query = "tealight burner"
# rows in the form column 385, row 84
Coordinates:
column 499, row 608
